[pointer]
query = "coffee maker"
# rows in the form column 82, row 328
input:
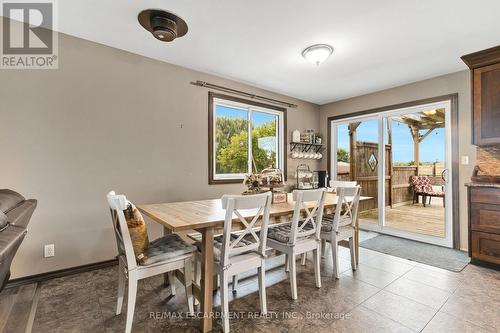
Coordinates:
column 323, row 179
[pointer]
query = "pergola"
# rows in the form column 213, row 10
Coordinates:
column 426, row 120
column 420, row 125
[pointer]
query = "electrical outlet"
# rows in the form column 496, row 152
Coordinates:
column 48, row 251
column 465, row 160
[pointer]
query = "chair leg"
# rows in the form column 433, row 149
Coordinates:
column 293, row 276
column 235, row 283
column 303, row 259
column 353, row 254
column 335, row 257
column 323, row 248
column 316, row 259
column 224, row 301
column 188, row 283
column 287, row 263
column 424, row 199
column 171, row 276
column 197, row 277
column 262, row 287
column 132, row 294
column 430, row 198
column 121, row 287
column 216, row 282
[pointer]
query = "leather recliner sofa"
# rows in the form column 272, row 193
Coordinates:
column 15, row 214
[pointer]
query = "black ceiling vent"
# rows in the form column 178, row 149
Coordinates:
column 163, row 25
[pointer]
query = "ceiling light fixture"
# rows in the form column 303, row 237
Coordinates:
column 317, row 53
column 164, row 26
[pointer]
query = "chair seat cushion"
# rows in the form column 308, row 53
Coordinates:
column 166, row 248
column 327, row 223
column 281, row 232
column 247, row 240
column 435, row 193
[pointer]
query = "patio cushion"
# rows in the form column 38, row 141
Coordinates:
column 421, row 184
column 165, row 248
column 435, row 193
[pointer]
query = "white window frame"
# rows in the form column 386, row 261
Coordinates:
column 249, row 108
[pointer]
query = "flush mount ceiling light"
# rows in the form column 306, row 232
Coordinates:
column 164, row 25
column 317, row 53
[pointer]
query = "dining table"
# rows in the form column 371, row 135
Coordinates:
column 207, row 217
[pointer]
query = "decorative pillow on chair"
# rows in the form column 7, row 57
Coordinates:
column 138, row 232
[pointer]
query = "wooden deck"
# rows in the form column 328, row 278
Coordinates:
column 427, row 220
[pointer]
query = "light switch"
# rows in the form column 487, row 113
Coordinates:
column 465, row 160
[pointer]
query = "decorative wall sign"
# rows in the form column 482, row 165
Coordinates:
column 372, row 162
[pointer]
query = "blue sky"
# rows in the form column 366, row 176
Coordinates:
column 431, row 148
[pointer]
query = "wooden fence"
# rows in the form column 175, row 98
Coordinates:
column 401, row 189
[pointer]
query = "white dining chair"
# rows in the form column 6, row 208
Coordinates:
column 333, row 185
column 164, row 255
column 341, row 225
column 301, row 235
column 241, row 251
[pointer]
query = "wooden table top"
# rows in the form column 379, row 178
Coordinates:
column 190, row 215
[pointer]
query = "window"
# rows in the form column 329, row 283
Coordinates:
column 244, row 137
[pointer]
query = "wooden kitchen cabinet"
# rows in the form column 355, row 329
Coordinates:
column 485, row 68
column 484, row 224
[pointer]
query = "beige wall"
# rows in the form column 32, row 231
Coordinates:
column 448, row 84
column 106, row 119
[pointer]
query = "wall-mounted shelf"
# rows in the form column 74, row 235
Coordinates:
column 305, row 147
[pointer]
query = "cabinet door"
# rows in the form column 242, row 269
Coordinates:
column 486, row 247
column 487, row 105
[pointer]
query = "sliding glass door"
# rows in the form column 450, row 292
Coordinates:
column 401, row 160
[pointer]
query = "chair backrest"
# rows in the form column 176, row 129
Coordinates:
column 117, row 204
column 346, row 211
column 421, row 184
column 248, row 239
column 342, row 183
column 311, row 224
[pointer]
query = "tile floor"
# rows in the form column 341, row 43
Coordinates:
column 386, row 294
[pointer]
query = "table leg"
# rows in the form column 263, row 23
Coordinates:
column 166, row 280
column 207, row 265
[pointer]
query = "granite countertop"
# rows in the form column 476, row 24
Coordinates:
column 479, row 184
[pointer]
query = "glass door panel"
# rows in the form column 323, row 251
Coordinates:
column 417, row 148
column 358, row 160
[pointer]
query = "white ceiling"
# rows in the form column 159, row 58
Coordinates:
column 378, row 44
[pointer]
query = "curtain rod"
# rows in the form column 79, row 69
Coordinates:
column 241, row 93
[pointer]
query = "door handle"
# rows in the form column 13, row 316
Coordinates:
column 444, row 175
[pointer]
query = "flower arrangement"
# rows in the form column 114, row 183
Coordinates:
column 253, row 183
